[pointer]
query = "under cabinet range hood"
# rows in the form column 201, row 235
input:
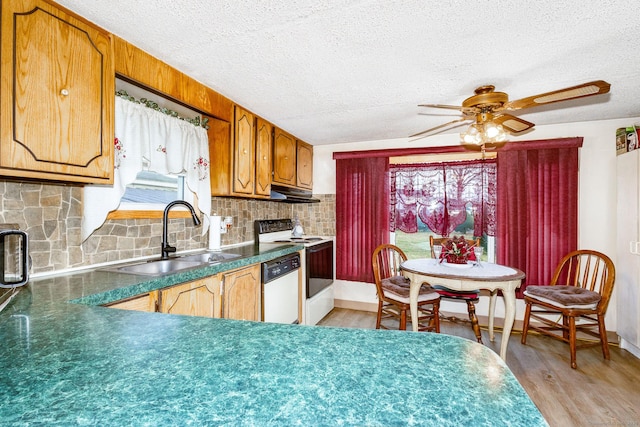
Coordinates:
column 291, row 195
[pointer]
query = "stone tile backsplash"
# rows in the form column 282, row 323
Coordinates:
column 52, row 215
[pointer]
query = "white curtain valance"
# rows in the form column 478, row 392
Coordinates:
column 147, row 139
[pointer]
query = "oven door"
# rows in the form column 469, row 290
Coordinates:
column 319, row 267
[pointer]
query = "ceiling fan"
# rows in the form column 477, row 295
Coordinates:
column 489, row 111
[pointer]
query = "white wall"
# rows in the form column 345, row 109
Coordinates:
column 597, row 193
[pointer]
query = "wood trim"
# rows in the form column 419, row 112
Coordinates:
column 125, row 214
column 356, row 305
column 144, row 69
column 509, row 146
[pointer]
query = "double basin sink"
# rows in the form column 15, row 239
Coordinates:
column 161, row 267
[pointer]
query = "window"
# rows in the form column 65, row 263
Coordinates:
column 152, row 188
column 416, row 245
column 150, row 192
column 442, row 199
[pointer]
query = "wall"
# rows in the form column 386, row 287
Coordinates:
column 51, row 214
column 597, row 195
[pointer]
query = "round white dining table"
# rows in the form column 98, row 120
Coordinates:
column 467, row 277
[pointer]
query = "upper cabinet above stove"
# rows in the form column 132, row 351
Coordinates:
column 292, row 161
column 304, row 165
column 57, row 95
column 250, row 154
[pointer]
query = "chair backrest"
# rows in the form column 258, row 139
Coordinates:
column 590, row 270
column 440, row 240
column 386, row 262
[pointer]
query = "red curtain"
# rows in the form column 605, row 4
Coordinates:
column 438, row 194
column 362, row 215
column 537, row 208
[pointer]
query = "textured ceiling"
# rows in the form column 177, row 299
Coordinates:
column 355, row 70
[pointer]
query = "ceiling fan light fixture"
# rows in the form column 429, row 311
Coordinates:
column 473, row 135
column 483, row 133
column 493, row 131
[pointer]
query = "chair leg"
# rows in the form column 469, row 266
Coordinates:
column 603, row 337
column 471, row 307
column 436, row 316
column 403, row 320
column 525, row 323
column 572, row 339
column 379, row 317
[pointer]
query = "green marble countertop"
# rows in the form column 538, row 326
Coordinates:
column 80, row 364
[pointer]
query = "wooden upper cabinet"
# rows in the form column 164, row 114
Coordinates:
column 57, row 93
column 244, row 152
column 263, row 157
column 240, row 156
column 304, row 165
column 220, row 150
column 284, row 158
column 241, row 294
column 138, row 66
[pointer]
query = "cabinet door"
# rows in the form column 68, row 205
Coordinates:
column 147, row 302
column 220, row 154
column 304, row 166
column 263, row 157
column 244, row 165
column 284, row 158
column 242, row 294
column 197, row 298
column 57, row 94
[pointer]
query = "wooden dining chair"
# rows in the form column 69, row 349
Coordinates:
column 578, row 294
column 469, row 297
column 393, row 292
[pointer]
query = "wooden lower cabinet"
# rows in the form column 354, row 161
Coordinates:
column 146, row 302
column 241, row 294
column 197, row 298
column 235, row 294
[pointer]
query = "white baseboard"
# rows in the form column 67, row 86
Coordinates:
column 626, row 345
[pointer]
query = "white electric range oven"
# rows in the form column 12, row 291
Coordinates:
column 318, row 291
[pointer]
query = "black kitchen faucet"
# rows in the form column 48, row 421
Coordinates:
column 166, row 248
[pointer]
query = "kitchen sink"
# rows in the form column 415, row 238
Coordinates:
column 157, row 267
column 210, row 257
column 160, row 267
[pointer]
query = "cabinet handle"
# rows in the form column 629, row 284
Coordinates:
column 244, row 151
column 264, row 157
column 64, row 92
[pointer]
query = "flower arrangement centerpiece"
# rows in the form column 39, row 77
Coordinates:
column 456, row 250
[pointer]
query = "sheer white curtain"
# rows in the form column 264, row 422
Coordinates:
column 147, row 139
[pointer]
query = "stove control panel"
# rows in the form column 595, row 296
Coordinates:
column 265, row 226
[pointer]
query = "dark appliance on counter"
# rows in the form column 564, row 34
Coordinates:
column 14, row 262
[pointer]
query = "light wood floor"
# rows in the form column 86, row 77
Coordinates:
column 599, row 393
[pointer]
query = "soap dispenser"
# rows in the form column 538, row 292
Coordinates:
column 297, row 229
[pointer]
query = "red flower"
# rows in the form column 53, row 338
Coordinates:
column 456, row 250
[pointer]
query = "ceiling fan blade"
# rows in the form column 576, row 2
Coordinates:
column 587, row 89
column 465, row 110
column 462, row 119
column 512, row 124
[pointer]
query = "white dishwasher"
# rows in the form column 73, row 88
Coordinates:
column 280, row 289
